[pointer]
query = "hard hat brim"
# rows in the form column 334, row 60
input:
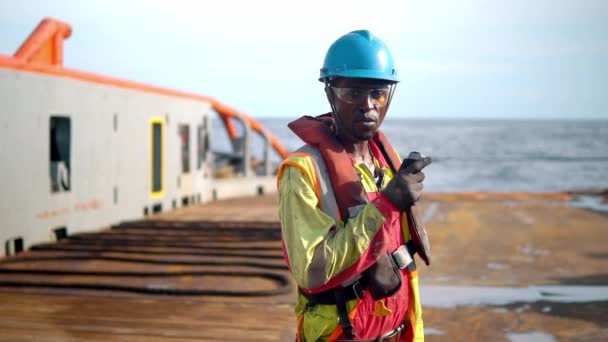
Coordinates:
column 360, row 73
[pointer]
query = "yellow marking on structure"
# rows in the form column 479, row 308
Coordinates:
column 160, row 121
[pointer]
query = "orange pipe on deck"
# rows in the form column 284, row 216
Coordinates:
column 229, row 125
column 43, row 42
column 229, row 112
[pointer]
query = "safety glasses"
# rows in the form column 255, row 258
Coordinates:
column 379, row 96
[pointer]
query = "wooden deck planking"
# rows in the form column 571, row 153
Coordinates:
column 531, row 235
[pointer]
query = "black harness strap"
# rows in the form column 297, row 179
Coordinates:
column 347, row 327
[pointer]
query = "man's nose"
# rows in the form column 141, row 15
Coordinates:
column 367, row 101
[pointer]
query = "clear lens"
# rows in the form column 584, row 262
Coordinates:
column 379, row 96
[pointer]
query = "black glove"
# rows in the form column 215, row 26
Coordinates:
column 405, row 189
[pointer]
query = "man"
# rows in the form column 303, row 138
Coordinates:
column 345, row 207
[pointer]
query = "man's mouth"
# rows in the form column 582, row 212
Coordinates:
column 366, row 121
column 367, row 124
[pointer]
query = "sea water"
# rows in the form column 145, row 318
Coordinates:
column 488, row 155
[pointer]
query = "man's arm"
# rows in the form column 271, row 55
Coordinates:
column 321, row 252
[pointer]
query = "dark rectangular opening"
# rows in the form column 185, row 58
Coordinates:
column 157, row 157
column 13, row 246
column 203, row 143
column 184, row 134
column 145, row 211
column 59, row 153
column 60, row 233
column 18, row 245
column 185, row 201
column 157, row 208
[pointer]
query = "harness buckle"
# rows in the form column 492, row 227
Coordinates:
column 357, row 289
column 395, row 333
column 402, row 257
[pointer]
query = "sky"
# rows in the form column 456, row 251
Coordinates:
column 456, row 59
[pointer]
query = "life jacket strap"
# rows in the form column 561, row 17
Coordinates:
column 350, row 292
column 347, row 327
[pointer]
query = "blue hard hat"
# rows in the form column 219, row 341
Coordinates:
column 359, row 54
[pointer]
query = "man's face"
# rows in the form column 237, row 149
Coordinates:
column 360, row 105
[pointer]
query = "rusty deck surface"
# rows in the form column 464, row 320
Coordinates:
column 215, row 272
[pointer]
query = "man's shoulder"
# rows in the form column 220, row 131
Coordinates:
column 296, row 157
column 305, row 154
column 300, row 165
column 300, row 158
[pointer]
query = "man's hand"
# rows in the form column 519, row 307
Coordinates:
column 405, row 189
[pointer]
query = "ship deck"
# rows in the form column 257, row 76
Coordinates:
column 215, row 272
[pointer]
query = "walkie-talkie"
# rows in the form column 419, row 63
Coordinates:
column 416, row 227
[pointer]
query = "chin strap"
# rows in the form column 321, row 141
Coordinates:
column 334, row 112
column 391, row 91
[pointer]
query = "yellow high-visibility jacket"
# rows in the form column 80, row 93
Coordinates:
column 320, row 248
